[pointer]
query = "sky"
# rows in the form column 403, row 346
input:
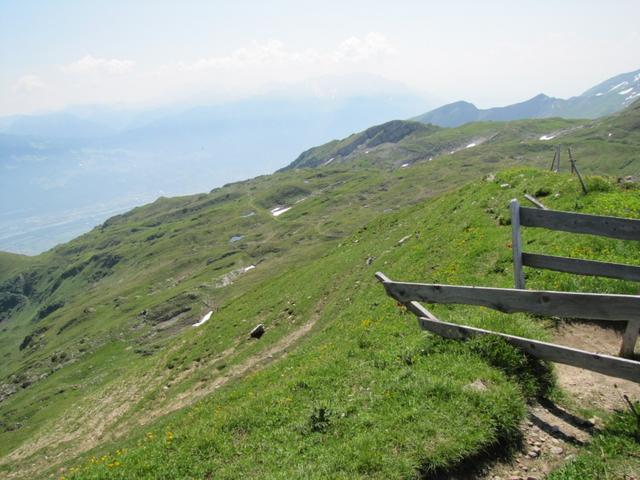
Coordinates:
column 56, row 54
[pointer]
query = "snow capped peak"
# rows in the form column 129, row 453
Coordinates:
column 621, row 84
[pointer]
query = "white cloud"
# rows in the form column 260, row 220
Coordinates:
column 29, row 83
column 273, row 52
column 354, row 49
column 269, row 52
column 252, row 69
column 91, row 64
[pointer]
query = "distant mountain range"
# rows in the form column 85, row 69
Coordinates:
column 605, row 98
column 64, row 172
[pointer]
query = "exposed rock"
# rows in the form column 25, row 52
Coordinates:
column 10, row 302
column 47, row 310
column 477, row 385
column 257, row 331
column 557, row 450
column 32, row 338
column 628, row 179
column 171, row 309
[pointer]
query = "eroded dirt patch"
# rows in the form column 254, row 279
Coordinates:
column 553, row 434
column 591, row 389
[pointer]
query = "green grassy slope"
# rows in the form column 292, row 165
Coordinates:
column 366, row 395
column 10, row 262
column 101, row 341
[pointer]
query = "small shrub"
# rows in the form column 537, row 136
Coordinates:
column 407, row 358
column 504, row 221
column 364, row 342
column 320, row 419
column 598, row 184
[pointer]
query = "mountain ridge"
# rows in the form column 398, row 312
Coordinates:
column 604, row 98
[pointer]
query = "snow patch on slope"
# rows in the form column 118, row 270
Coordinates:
column 621, row 84
column 203, row 320
column 277, row 211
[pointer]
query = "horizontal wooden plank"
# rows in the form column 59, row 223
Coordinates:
column 608, row 365
column 535, row 201
column 582, row 267
column 419, row 310
column 589, row 306
column 613, row 227
column 414, row 307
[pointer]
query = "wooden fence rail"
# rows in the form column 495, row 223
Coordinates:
column 613, row 227
column 582, row 267
column 586, row 306
column 409, row 294
column 604, row 226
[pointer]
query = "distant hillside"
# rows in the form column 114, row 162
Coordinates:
column 338, row 150
column 400, row 144
column 605, row 98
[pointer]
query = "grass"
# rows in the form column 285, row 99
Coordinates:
column 366, row 395
column 363, row 393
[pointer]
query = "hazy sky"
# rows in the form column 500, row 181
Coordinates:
column 60, row 53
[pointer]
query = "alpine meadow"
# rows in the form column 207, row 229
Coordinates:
column 249, row 331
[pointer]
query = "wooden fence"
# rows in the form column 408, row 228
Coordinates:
column 611, row 227
column 584, row 306
column 512, row 300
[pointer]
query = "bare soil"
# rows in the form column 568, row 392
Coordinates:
column 553, row 434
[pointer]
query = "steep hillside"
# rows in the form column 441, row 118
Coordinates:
column 102, row 340
column 605, row 98
column 364, row 394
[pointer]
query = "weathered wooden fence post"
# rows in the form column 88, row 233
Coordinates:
column 629, row 338
column 555, row 163
column 574, row 168
column 516, row 244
